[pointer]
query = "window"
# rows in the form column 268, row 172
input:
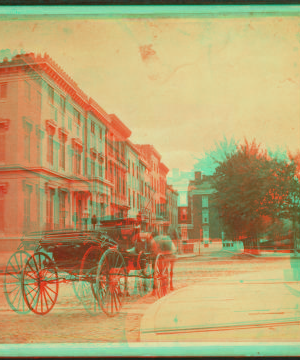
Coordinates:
column 93, row 168
column 63, row 154
column 3, row 91
column 129, row 198
column 27, row 90
column 62, row 209
column 70, row 123
column 137, row 172
column 204, row 201
column 27, row 208
column 50, row 94
column 2, row 146
column 93, row 127
column 183, row 215
column 100, row 170
column 39, row 99
column 129, row 166
column 62, row 103
column 132, row 169
column 50, row 149
column 77, row 162
column 205, row 216
column 76, row 116
column 100, row 134
column 133, row 198
column 27, row 146
column 50, row 209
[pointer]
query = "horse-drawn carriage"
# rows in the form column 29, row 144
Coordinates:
column 98, row 263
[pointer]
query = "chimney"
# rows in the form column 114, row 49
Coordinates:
column 197, row 176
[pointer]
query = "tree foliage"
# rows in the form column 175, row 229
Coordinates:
column 211, row 158
column 252, row 186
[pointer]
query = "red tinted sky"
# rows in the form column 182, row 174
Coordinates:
column 180, row 84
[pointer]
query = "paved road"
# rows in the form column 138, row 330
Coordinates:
column 250, row 307
column 68, row 322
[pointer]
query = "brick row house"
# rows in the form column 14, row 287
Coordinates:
column 200, row 217
column 64, row 159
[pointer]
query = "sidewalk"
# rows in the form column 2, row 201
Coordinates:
column 238, row 308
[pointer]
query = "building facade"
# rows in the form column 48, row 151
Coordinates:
column 203, row 219
column 63, row 159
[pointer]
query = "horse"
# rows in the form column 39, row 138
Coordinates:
column 161, row 244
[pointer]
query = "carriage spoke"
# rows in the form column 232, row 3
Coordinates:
column 54, row 292
column 38, row 292
column 17, row 262
column 16, row 287
column 112, row 301
column 52, row 300
column 13, row 275
column 34, row 271
column 10, row 263
column 21, row 262
column 52, row 276
column 35, row 264
column 18, row 292
column 118, row 298
column 19, row 299
column 44, row 293
column 34, row 278
column 41, row 291
column 115, row 299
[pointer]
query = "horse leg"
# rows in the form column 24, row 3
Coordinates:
column 171, row 274
column 153, row 277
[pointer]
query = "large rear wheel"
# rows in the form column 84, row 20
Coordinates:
column 13, row 282
column 40, row 283
column 84, row 288
column 111, row 282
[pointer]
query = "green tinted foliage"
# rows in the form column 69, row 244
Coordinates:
column 252, row 187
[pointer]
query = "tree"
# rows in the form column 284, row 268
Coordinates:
column 212, row 158
column 252, row 188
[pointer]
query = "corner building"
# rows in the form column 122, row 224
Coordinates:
column 202, row 218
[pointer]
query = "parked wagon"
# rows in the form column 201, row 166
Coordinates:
column 98, row 263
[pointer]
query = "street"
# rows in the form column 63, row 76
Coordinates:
column 69, row 322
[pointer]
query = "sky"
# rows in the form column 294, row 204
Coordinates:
column 181, row 84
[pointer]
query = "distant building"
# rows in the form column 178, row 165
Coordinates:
column 160, row 197
column 180, row 181
column 204, row 223
column 172, row 207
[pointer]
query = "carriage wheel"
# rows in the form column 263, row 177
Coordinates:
column 111, row 282
column 84, row 288
column 145, row 280
column 40, row 283
column 13, row 282
column 161, row 275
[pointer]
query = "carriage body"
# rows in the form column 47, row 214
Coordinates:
column 98, row 263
